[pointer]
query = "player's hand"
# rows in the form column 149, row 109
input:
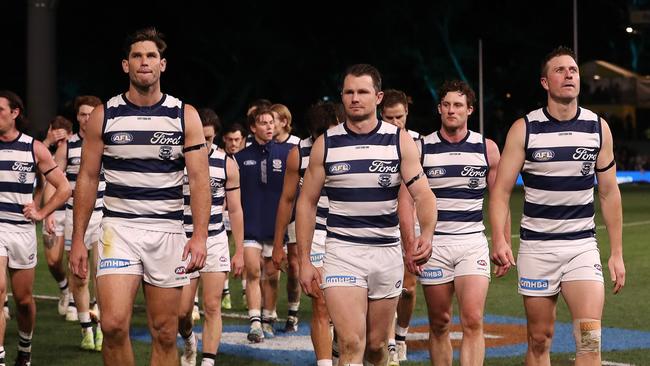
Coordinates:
column 279, row 257
column 237, row 264
column 310, row 280
column 417, row 254
column 78, row 261
column 31, row 212
column 617, row 272
column 197, row 251
column 49, row 224
column 502, row 258
column 59, row 135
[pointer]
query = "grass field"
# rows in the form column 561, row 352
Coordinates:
column 56, row 342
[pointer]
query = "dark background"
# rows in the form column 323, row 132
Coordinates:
column 224, row 54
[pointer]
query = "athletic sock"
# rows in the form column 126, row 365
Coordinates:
column 24, row 341
column 84, row 320
column 63, row 286
column 208, row 359
column 254, row 316
column 293, row 308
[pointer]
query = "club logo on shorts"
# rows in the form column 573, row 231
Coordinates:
column 384, row 180
column 436, row 172
column 398, row 284
column 431, row 273
column 121, row 138
column 586, row 168
column 165, row 152
column 223, row 259
column 339, row 168
column 31, row 257
column 533, row 284
column 481, row 262
column 107, row 263
column 340, row 279
column 543, row 155
column 180, row 270
column 598, row 267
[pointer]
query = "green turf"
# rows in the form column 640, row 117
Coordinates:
column 56, row 341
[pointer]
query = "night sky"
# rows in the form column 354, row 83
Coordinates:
column 225, row 57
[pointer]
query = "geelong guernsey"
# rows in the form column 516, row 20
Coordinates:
column 457, row 175
column 73, row 163
column 17, row 176
column 304, row 150
column 558, row 176
column 218, row 178
column 143, row 163
column 261, row 176
column 362, row 179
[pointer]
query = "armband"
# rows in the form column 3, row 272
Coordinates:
column 414, row 179
column 192, row 148
column 607, row 167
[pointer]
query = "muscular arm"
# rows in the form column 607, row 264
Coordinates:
column 611, row 207
column 510, row 165
column 285, row 205
column 60, row 161
column 233, row 196
column 196, row 162
column 425, row 202
column 306, row 216
column 54, row 177
column 493, row 160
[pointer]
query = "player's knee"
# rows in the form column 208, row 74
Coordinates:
column 164, row 334
column 472, row 322
column 253, row 273
column 587, row 333
column 439, row 323
column 113, row 328
column 539, row 341
column 212, row 306
column 349, row 343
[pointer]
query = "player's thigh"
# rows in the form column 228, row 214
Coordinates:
column 347, row 307
column 116, row 295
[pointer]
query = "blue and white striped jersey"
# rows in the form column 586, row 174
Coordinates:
column 17, row 176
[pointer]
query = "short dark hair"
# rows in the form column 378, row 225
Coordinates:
column 210, row 118
column 460, row 87
column 234, row 128
column 260, row 111
column 61, row 122
column 145, row 34
column 558, row 51
column 90, row 100
column 393, row 97
column 364, row 69
column 320, row 117
column 16, row 103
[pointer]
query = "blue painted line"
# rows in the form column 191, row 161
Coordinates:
column 298, row 351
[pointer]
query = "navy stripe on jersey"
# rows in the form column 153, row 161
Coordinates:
column 464, row 216
column 558, row 212
column 362, row 221
column 153, row 111
column 363, row 240
column 351, row 140
column 143, row 138
column 11, row 207
column 558, row 184
column 527, row 234
column 143, row 165
column 175, row 215
column 576, row 126
column 460, row 193
column 569, row 153
column 362, row 194
column 16, row 187
column 141, row 193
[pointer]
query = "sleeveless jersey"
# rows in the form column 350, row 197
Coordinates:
column 143, row 163
column 218, row 178
column 17, row 176
column 362, row 179
column 558, row 176
column 304, row 150
column 457, row 175
column 73, row 163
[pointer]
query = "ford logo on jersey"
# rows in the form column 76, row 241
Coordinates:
column 436, row 172
column 339, row 168
column 543, row 155
column 121, row 138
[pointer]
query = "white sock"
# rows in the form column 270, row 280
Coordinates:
column 401, row 331
column 24, row 341
column 324, row 362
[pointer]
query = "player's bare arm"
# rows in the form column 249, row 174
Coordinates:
column 285, row 206
column 233, row 196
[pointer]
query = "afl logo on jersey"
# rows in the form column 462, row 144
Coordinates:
column 436, row 172
column 75, row 161
column 121, row 138
column 543, row 155
column 339, row 168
